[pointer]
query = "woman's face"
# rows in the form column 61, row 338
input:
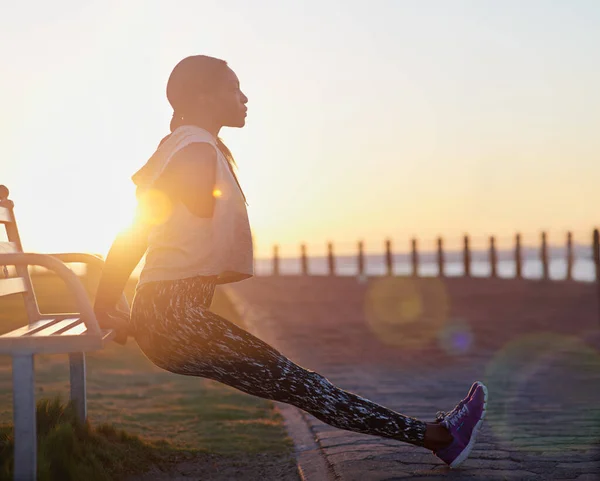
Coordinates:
column 230, row 101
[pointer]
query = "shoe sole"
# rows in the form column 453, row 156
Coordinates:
column 465, row 452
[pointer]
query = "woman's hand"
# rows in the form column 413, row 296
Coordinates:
column 115, row 319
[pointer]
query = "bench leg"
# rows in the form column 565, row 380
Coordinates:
column 77, row 373
column 24, row 418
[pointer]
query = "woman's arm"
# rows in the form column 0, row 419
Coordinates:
column 124, row 255
column 189, row 179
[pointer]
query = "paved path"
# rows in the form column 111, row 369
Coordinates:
column 417, row 345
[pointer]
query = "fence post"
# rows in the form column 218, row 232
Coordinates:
column 304, row 260
column 275, row 260
column 493, row 256
column 544, row 255
column 330, row 259
column 596, row 250
column 415, row 258
column 361, row 258
column 467, row 257
column 570, row 256
column 518, row 257
column 440, row 257
column 388, row 258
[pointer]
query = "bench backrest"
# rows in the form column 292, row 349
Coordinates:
column 22, row 282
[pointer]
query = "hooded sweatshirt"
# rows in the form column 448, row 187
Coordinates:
column 185, row 245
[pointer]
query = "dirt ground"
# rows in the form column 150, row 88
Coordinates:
column 209, row 467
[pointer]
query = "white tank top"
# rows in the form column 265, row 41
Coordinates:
column 186, row 245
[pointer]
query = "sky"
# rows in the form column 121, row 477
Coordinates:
column 367, row 120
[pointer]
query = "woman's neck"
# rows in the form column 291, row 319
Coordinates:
column 212, row 127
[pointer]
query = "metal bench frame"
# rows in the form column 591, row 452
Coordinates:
column 72, row 333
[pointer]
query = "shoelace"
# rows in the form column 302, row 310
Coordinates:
column 441, row 415
column 453, row 420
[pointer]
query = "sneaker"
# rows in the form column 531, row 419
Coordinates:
column 441, row 415
column 464, row 424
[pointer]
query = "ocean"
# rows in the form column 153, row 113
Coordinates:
column 583, row 265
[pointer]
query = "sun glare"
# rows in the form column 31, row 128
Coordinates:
column 154, row 207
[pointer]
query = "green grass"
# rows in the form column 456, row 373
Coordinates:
column 169, row 413
column 70, row 450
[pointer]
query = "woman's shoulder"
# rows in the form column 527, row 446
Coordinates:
column 195, row 152
column 193, row 164
column 187, row 134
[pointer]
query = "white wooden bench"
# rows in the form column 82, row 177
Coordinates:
column 72, row 333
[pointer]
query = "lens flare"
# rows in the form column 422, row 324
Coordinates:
column 456, row 338
column 406, row 312
column 546, row 388
column 154, row 207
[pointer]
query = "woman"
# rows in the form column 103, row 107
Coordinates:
column 192, row 224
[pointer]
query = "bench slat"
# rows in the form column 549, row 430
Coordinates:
column 9, row 248
column 13, row 285
column 55, row 344
column 51, row 327
column 30, row 329
column 75, row 330
column 5, row 215
column 56, row 328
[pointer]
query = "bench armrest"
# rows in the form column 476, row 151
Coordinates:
column 92, row 260
column 67, row 275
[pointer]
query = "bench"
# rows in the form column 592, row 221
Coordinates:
column 72, row 333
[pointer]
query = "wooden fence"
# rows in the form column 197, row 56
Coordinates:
column 466, row 257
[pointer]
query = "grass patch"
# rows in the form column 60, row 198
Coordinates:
column 70, row 450
column 129, row 394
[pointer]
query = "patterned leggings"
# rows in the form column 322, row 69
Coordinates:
column 176, row 330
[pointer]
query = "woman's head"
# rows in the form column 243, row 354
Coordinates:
column 202, row 88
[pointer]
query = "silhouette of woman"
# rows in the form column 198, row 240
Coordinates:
column 192, row 224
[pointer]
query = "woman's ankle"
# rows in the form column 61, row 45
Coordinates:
column 436, row 437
